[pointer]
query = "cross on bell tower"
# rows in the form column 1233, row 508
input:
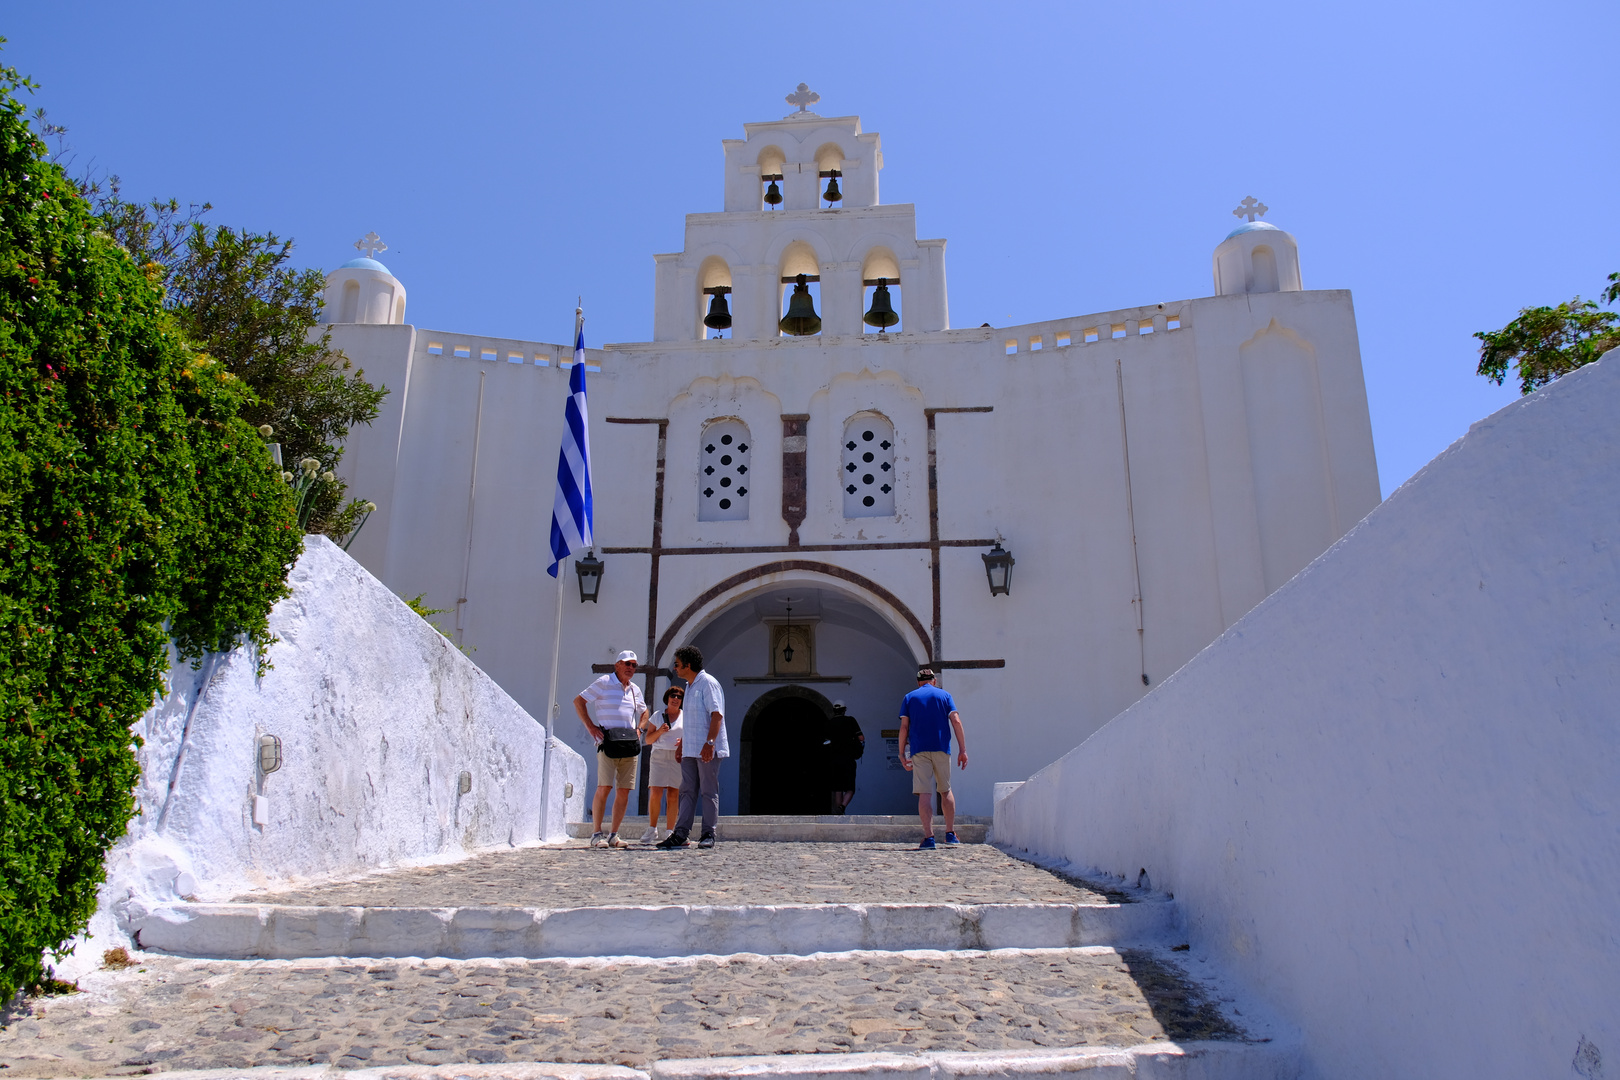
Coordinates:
column 1251, row 208
column 803, row 97
column 369, row 244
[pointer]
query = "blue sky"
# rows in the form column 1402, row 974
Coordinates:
column 1444, row 161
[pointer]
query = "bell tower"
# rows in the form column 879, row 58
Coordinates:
column 802, row 234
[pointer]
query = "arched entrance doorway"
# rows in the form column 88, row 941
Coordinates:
column 859, row 646
column 782, row 769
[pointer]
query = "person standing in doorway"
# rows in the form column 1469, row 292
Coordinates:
column 619, row 710
column 700, row 764
column 845, row 745
column 662, row 732
column 928, row 716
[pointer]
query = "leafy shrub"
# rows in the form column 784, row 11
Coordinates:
column 136, row 507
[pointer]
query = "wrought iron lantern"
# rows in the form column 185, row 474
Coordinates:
column 998, row 564
column 589, row 570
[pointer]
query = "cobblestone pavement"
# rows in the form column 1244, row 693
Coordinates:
column 193, row 1014
column 734, row 873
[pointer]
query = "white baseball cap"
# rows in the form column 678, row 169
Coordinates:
column 838, row 704
column 628, row 656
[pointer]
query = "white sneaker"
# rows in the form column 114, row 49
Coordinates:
column 650, row 836
column 614, row 841
column 598, row 839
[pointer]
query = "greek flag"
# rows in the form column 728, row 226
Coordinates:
column 571, row 510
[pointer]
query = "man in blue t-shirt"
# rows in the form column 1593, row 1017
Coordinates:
column 927, row 718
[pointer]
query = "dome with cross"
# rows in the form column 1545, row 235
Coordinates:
column 1257, row 256
column 363, row 290
column 364, row 264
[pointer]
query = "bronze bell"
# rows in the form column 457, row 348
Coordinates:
column 773, row 195
column 832, row 194
column 882, row 314
column 719, row 316
column 801, row 319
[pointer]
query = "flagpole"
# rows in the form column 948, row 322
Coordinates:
column 552, row 705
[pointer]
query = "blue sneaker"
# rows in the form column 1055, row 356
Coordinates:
column 927, row 844
column 950, row 838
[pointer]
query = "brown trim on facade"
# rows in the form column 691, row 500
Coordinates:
column 650, row 674
column 795, row 457
column 783, row 566
column 948, row 665
column 775, row 549
column 934, row 543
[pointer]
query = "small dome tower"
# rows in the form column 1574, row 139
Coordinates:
column 362, row 290
column 1256, row 257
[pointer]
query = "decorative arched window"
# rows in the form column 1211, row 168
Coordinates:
column 868, row 466
column 723, row 476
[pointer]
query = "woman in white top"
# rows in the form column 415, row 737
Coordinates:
column 661, row 731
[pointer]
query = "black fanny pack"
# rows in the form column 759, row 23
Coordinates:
column 620, row 742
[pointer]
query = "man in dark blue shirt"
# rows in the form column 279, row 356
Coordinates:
column 927, row 718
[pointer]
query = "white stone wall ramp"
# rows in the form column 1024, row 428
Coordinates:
column 1386, row 796
column 395, row 750
column 268, row 931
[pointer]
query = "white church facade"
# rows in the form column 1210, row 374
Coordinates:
column 810, row 498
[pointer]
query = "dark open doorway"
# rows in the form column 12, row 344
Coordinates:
column 784, row 771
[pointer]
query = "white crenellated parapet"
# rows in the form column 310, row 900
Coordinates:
column 363, row 291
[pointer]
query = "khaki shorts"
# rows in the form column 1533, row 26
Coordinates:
column 930, row 767
column 616, row 772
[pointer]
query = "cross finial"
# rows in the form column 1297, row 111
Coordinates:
column 1251, row 208
column 803, row 97
column 369, row 244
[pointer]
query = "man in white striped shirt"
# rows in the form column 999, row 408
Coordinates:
column 618, row 704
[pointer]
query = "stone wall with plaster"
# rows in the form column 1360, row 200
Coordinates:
column 395, row 749
column 1386, row 796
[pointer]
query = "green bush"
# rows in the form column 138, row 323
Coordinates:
column 136, row 507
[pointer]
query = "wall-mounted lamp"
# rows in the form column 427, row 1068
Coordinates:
column 269, row 754
column 998, row 565
column 589, row 570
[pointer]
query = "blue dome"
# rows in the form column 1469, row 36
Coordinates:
column 1247, row 226
column 365, row 264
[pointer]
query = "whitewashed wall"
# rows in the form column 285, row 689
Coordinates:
column 1387, row 796
column 1250, row 451
column 378, row 716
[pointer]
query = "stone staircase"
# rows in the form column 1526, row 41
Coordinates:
column 800, row 958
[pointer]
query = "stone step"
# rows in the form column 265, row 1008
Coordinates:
column 829, row 828
column 1189, row 1060
column 576, row 901
column 920, row 1015
column 271, row 931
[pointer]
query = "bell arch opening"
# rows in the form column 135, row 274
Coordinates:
column 800, row 303
column 714, row 298
column 771, row 160
column 880, row 292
